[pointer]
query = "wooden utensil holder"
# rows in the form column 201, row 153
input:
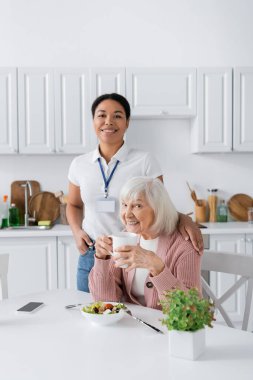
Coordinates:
column 200, row 211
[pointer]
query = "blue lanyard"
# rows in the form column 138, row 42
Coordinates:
column 108, row 180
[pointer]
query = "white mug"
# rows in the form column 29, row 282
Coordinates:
column 123, row 238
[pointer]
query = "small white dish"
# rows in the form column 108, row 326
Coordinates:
column 103, row 319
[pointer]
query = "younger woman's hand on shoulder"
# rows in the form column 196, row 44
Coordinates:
column 103, row 247
column 190, row 231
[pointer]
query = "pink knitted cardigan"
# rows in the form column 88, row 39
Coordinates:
column 182, row 271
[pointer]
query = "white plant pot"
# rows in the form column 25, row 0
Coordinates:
column 187, row 344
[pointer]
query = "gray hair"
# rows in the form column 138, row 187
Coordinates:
column 166, row 216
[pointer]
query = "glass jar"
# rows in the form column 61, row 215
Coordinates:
column 212, row 202
column 13, row 215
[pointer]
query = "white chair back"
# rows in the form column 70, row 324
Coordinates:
column 4, row 262
column 233, row 264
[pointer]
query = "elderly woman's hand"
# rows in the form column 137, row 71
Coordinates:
column 137, row 257
column 103, row 247
column 189, row 230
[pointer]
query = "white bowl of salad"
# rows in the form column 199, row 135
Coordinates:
column 103, row 313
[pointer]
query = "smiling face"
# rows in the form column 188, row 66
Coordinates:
column 110, row 122
column 138, row 216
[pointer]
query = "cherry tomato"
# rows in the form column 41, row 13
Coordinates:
column 108, row 306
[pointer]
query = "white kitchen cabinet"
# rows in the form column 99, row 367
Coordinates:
column 68, row 256
column 220, row 282
column 212, row 128
column 225, row 113
column 107, row 80
column 32, row 264
column 54, row 111
column 74, row 131
column 243, row 110
column 8, row 111
column 161, row 92
column 36, row 110
column 249, row 244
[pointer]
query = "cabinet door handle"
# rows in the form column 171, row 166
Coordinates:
column 249, row 240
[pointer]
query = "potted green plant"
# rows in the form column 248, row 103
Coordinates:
column 186, row 314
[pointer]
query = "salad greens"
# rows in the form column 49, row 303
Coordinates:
column 100, row 307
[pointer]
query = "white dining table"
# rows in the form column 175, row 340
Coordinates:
column 59, row 344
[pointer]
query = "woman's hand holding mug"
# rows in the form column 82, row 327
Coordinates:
column 103, row 247
column 123, row 240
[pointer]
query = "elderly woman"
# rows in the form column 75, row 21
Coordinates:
column 161, row 261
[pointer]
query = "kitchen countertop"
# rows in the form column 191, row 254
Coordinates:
column 227, row 228
column 56, row 230
column 64, row 230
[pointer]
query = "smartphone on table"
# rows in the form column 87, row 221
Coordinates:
column 31, row 307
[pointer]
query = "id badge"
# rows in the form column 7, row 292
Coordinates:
column 105, row 204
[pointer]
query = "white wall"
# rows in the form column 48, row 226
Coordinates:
column 133, row 33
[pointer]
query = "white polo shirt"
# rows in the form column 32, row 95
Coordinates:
column 85, row 172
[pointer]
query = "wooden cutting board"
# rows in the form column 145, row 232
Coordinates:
column 18, row 195
column 238, row 206
column 44, row 206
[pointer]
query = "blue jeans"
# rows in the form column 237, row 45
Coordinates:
column 85, row 264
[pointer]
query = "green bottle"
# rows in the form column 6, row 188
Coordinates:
column 13, row 215
column 222, row 212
